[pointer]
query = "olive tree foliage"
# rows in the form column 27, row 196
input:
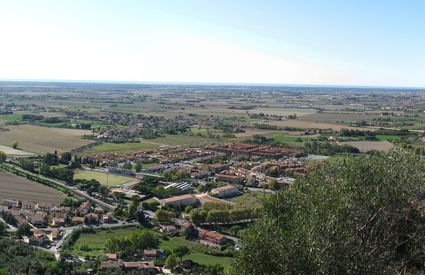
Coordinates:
column 354, row 215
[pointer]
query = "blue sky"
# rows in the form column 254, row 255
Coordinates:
column 374, row 42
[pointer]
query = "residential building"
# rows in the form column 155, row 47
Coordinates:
column 225, row 191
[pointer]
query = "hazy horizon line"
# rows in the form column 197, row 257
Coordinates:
column 194, row 83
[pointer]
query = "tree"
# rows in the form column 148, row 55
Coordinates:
column 2, row 229
column 180, row 251
column 15, row 144
column 50, row 159
column 2, row 157
column 190, row 232
column 163, row 215
column 140, row 217
column 353, row 215
column 27, row 164
column 66, row 157
column 138, row 166
column 171, row 262
column 127, row 166
column 24, row 230
column 132, row 211
column 273, row 184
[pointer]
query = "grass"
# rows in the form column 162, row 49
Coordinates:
column 11, row 117
column 196, row 256
column 390, row 138
column 204, row 259
column 281, row 138
column 250, row 199
column 103, row 178
column 94, row 246
column 96, row 242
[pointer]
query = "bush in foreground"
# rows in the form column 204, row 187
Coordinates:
column 354, row 215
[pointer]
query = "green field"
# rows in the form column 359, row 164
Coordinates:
column 94, row 246
column 104, row 178
column 250, row 199
column 196, row 256
column 149, row 144
column 12, row 117
column 389, row 138
column 282, row 138
column 96, row 242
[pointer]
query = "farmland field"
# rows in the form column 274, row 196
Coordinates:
column 11, row 117
column 365, row 146
column 339, row 117
column 14, row 152
column 41, row 140
column 104, row 178
column 149, row 144
column 311, row 125
column 19, row 188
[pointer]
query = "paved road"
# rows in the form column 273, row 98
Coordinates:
column 70, row 188
column 11, row 227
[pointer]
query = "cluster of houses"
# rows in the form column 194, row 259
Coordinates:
column 222, row 162
column 253, row 150
column 147, row 266
column 41, row 214
column 161, row 156
column 43, row 238
column 205, row 237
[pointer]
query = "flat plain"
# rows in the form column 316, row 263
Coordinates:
column 14, row 152
column 42, row 140
column 365, row 146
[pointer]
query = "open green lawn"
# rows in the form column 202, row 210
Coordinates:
column 96, row 242
column 204, row 259
column 250, row 199
column 196, row 256
column 282, row 138
column 104, row 178
column 94, row 245
column 389, row 138
column 11, row 117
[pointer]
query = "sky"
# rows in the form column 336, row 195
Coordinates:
column 316, row 42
